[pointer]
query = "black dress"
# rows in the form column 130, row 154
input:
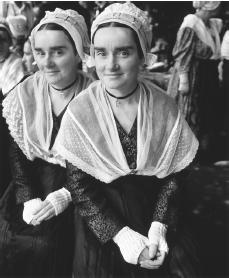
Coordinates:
column 4, row 151
column 135, row 201
column 26, row 250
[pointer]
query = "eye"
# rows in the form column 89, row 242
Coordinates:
column 100, row 53
column 123, row 53
column 58, row 52
column 39, row 53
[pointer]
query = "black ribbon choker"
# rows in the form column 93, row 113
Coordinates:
column 131, row 93
column 69, row 86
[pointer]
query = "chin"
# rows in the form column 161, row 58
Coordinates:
column 52, row 80
column 115, row 85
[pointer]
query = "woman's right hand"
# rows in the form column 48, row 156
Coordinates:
column 131, row 244
column 146, row 262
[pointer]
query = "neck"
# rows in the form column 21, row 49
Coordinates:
column 127, row 98
column 65, row 90
column 122, row 93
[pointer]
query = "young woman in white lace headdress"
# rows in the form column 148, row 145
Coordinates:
column 33, row 112
column 124, row 140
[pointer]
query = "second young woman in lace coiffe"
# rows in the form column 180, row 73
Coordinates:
column 125, row 142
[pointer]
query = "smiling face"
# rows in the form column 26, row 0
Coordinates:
column 116, row 58
column 56, row 57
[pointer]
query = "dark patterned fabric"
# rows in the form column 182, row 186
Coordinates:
column 129, row 143
column 134, row 201
column 25, row 250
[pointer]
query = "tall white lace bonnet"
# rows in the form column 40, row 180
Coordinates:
column 130, row 15
column 73, row 23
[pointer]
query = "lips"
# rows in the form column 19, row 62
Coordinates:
column 113, row 74
column 51, row 72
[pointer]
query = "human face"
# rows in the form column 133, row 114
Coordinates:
column 55, row 56
column 116, row 58
column 28, row 58
column 4, row 45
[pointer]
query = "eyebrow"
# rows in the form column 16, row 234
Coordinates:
column 52, row 48
column 118, row 48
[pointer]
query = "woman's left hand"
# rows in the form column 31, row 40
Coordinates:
column 45, row 212
column 154, row 263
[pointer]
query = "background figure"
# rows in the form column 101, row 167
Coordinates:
column 123, row 161
column 15, row 8
column 11, row 73
column 30, row 65
column 194, row 82
column 19, row 32
column 11, row 69
column 225, row 88
column 33, row 112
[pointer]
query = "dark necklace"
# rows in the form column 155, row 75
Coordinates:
column 63, row 89
column 118, row 98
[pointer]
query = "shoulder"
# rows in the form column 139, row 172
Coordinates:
column 83, row 99
column 162, row 103
column 189, row 21
column 27, row 84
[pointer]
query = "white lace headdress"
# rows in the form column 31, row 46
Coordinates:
column 128, row 14
column 88, row 137
column 74, row 24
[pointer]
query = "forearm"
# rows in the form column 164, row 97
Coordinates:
column 19, row 170
column 167, row 206
column 92, row 205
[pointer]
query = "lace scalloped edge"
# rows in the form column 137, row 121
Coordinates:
column 82, row 166
column 189, row 158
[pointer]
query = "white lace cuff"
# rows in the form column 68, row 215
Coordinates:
column 29, row 208
column 157, row 235
column 60, row 199
column 131, row 244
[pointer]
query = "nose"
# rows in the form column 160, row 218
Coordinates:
column 47, row 61
column 112, row 63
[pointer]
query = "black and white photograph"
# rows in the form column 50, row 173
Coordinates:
column 114, row 139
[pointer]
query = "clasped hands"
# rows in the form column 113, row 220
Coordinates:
column 148, row 252
column 135, row 248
